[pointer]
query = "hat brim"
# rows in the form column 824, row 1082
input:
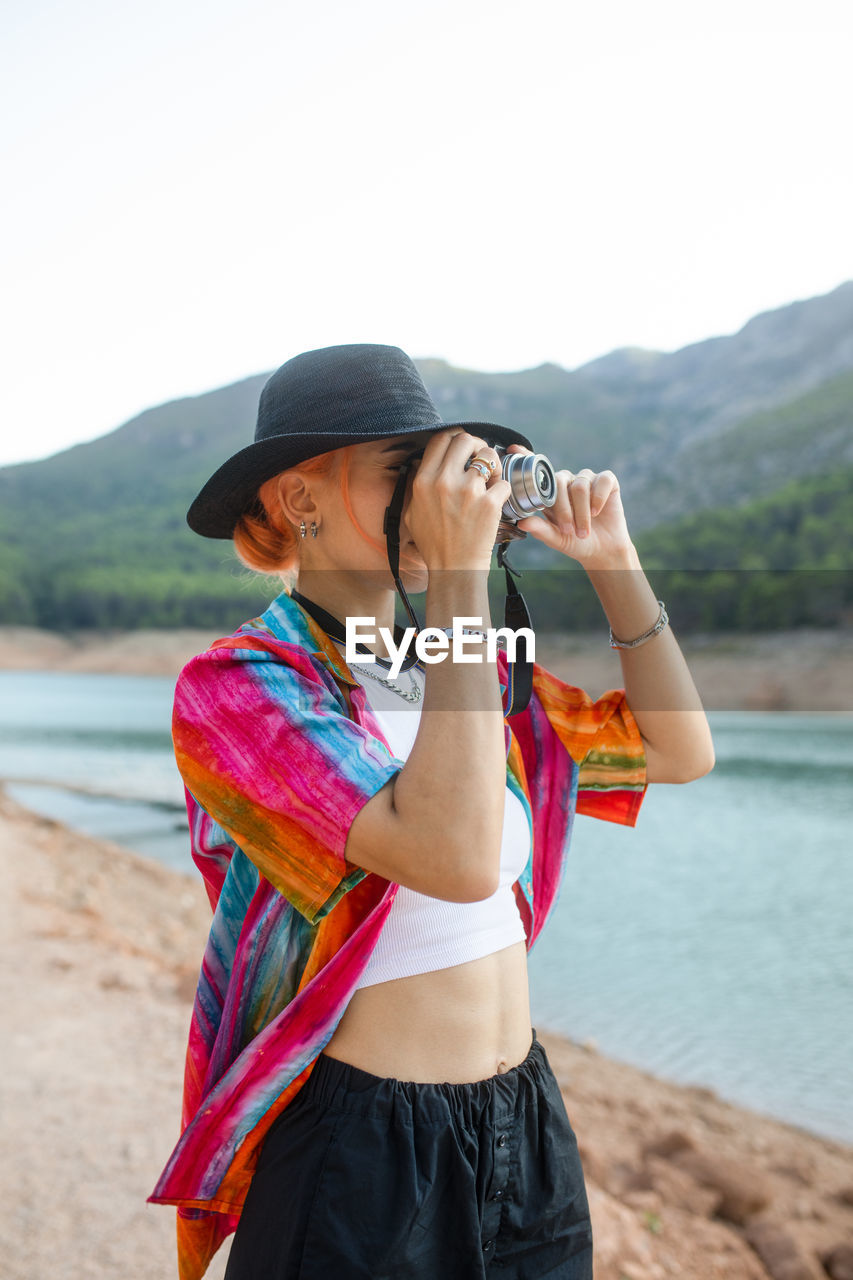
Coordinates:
column 230, row 491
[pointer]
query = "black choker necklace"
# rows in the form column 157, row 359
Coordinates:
column 332, row 626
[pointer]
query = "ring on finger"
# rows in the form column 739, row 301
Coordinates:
column 481, row 465
column 489, row 462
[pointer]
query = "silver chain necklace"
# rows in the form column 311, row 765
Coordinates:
column 413, row 694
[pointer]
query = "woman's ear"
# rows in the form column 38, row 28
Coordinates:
column 296, row 497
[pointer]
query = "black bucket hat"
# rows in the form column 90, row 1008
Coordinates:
column 319, row 401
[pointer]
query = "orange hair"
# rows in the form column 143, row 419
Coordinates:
column 265, row 540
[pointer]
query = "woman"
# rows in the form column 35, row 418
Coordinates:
column 364, row 1095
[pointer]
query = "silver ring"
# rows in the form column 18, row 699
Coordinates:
column 478, row 464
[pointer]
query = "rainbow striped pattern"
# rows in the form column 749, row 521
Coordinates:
column 279, row 749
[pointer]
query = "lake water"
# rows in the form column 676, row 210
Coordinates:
column 711, row 944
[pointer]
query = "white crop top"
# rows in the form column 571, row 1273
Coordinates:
column 423, row 933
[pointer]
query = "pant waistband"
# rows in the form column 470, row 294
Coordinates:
column 341, row 1086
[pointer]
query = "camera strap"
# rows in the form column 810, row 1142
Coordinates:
column 519, row 674
column 516, row 613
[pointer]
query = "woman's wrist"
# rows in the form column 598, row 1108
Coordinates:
column 626, row 596
column 623, row 559
column 455, row 592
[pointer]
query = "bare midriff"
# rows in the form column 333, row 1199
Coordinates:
column 450, row 1026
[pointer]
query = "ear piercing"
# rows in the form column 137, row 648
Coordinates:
column 313, row 528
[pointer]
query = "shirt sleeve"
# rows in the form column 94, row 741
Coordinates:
column 268, row 751
column 603, row 739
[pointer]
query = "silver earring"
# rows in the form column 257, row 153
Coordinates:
column 313, row 528
column 302, row 528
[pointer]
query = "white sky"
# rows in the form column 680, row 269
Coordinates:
column 194, row 192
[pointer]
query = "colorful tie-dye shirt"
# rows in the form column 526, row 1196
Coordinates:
column 279, row 749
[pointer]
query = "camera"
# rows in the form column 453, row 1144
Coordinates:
column 533, row 486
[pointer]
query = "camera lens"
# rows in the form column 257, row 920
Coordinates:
column 532, row 483
column 544, row 480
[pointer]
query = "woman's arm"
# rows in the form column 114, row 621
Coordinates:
column 437, row 827
column 588, row 524
column 659, row 688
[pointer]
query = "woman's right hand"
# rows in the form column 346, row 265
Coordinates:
column 453, row 514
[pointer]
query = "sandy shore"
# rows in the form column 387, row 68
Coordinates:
column 806, row 670
column 100, row 951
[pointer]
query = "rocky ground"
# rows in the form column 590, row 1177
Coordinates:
column 100, row 949
column 807, row 670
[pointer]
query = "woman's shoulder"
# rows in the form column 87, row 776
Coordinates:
column 245, row 646
column 270, row 663
column 280, row 634
column 251, row 657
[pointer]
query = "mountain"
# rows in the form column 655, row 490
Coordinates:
column 774, row 358
column 808, row 436
column 96, row 535
column 685, row 429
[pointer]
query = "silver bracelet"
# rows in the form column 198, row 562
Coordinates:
column 663, row 619
column 500, row 642
column 472, row 631
column 465, row 631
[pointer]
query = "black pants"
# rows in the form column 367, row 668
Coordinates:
column 365, row 1178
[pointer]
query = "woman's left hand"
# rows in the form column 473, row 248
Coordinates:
column 586, row 522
